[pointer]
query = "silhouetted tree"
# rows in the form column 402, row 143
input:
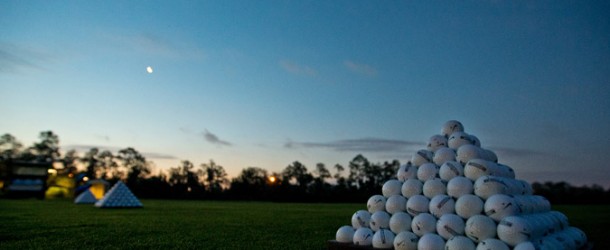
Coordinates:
column 214, row 177
column 136, row 165
column 564, row 193
column 69, row 160
column 107, row 166
column 341, row 181
column 180, row 174
column 250, row 184
column 322, row 172
column 10, row 147
column 389, row 170
column 48, row 147
column 320, row 189
column 358, row 170
column 297, row 173
column 185, row 181
column 91, row 162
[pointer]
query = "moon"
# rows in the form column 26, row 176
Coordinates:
column 149, row 69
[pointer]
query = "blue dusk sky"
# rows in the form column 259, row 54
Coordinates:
column 266, row 83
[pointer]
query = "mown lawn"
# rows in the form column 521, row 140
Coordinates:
column 30, row 224
column 60, row 224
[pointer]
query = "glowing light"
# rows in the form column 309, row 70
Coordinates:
column 272, row 179
column 52, row 171
column 188, row 189
column 85, row 179
column 149, row 69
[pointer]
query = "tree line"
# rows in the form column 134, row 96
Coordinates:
column 356, row 182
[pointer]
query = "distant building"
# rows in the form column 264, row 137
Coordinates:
column 22, row 179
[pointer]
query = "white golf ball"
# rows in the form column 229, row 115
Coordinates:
column 441, row 204
column 492, row 244
column 376, row 203
column 406, row 240
column 396, row 203
column 417, row 204
column 391, row 187
column 406, row 171
column 423, row 223
column 468, row 205
column 514, row 230
column 450, row 225
column 443, row 155
column 450, row 169
column 487, row 186
column 459, row 186
column 400, row 222
column 427, row 171
column 476, row 168
column 499, row 206
column 459, row 243
column 345, row 234
column 361, row 218
column 434, row 187
column 458, row 139
column 363, row 236
column 412, row 187
column 383, row 239
column 422, row 156
column 435, row 142
column 480, row 227
column 467, row 152
column 431, row 241
column 451, row 127
column 380, row 220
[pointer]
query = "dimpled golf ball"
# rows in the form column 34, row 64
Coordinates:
column 406, row 240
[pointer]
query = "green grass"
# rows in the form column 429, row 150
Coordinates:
column 60, row 224
column 31, row 224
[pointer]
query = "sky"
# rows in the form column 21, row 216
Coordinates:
column 267, row 83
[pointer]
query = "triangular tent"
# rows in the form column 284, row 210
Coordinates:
column 98, row 188
column 85, row 197
column 119, row 196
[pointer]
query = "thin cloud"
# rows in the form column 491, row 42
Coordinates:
column 85, row 148
column 150, row 155
column 152, row 44
column 212, row 138
column 373, row 145
column 297, row 69
column 360, row 68
column 14, row 58
column 115, row 150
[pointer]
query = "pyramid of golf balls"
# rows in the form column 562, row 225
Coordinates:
column 455, row 195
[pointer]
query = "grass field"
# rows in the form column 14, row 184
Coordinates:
column 60, row 224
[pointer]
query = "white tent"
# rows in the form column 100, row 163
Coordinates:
column 119, row 196
column 85, row 198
